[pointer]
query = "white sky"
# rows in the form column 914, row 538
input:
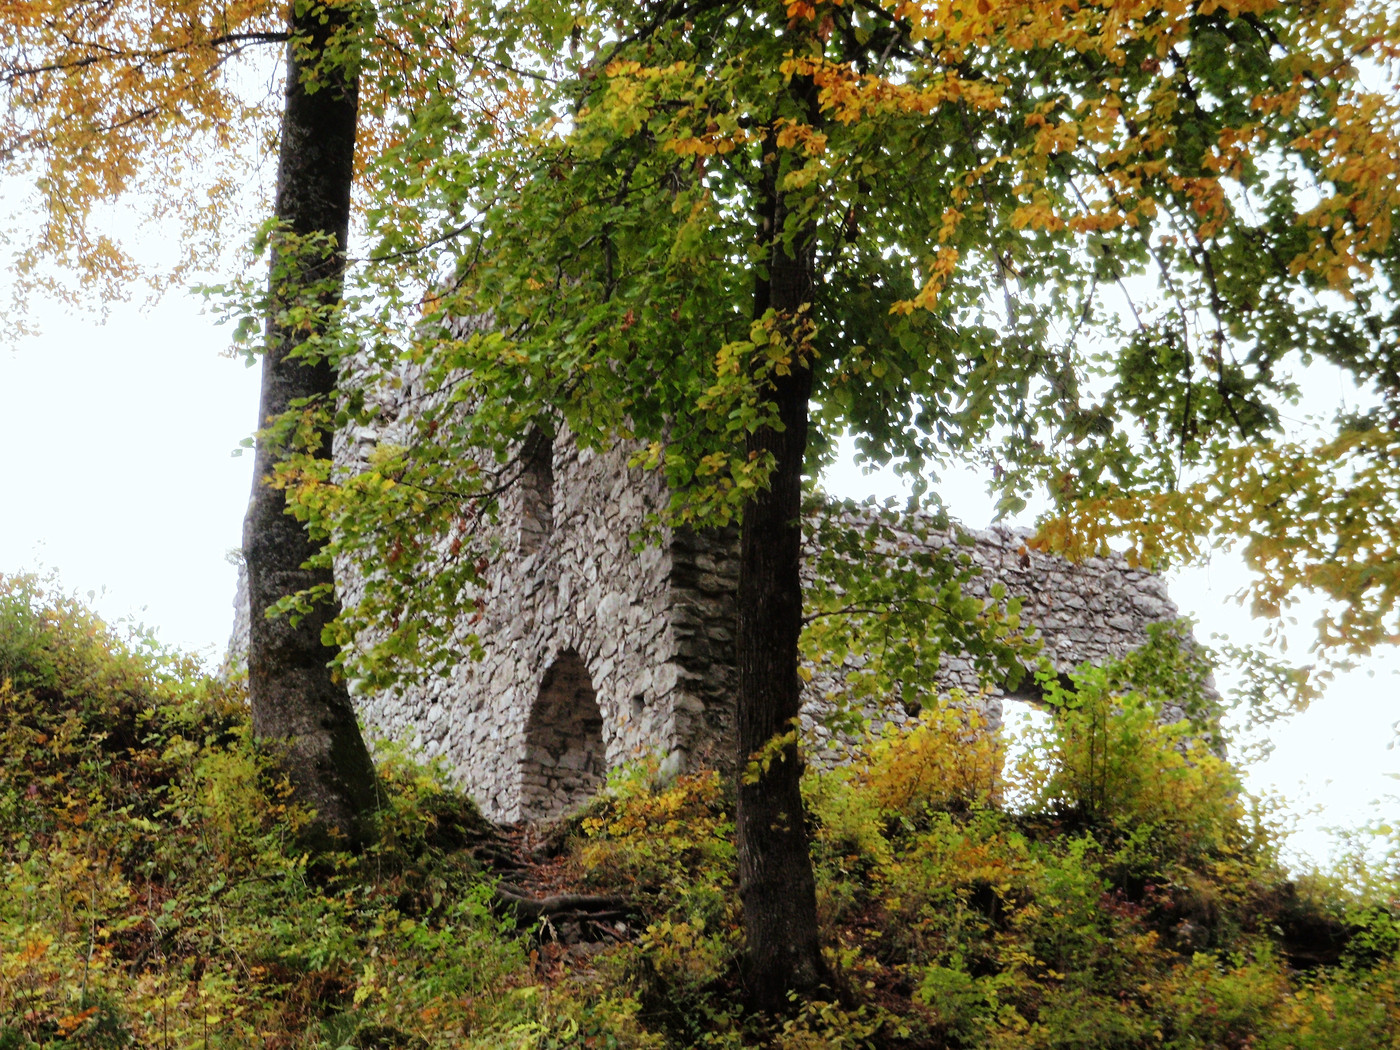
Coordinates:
column 119, row 475
column 119, row 470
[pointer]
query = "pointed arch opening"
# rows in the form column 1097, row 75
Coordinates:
column 565, row 757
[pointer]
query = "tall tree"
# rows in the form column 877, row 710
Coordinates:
column 299, row 702
column 975, row 227
column 151, row 107
column 116, row 103
column 776, row 882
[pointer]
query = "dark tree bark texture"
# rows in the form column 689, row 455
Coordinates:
column 776, row 884
column 299, row 706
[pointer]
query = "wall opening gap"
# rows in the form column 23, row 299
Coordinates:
column 536, row 490
column 565, row 758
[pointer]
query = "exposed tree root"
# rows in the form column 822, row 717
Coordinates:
column 528, row 873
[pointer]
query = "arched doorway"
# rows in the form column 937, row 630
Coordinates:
column 565, row 760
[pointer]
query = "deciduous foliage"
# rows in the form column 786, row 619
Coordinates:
column 1089, row 231
column 152, row 892
column 123, row 103
column 119, row 102
column 1294, row 263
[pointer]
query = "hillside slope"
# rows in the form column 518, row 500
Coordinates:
column 1113, row 890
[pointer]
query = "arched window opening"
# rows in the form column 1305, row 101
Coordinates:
column 565, row 760
column 536, row 491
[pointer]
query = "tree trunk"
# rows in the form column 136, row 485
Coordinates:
column 776, row 884
column 298, row 703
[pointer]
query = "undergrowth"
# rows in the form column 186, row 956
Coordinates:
column 1114, row 888
column 151, row 893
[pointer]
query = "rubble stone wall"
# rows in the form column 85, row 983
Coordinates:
column 599, row 651
column 589, row 661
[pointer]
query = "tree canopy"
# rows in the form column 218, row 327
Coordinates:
column 1083, row 242
column 1088, row 245
column 1131, row 221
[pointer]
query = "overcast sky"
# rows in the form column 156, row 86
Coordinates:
column 119, row 474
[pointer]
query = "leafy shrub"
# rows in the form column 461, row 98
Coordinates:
column 150, row 892
column 947, row 761
column 1374, row 936
column 1336, row 1010
column 850, row 852
column 1107, row 761
column 676, row 843
column 672, row 845
column 1212, row 1002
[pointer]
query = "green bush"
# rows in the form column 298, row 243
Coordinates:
column 150, row 890
column 1107, row 762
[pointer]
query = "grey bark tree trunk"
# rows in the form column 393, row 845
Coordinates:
column 299, row 705
column 776, row 884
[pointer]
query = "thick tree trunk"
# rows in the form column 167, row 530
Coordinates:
column 298, row 703
column 776, row 884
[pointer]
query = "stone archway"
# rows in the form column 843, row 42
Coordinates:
column 565, row 758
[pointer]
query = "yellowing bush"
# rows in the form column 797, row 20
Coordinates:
column 1106, row 760
column 948, row 761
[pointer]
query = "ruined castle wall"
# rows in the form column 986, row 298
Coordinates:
column 599, row 651
column 600, row 647
column 1086, row 612
column 581, row 670
column 600, row 644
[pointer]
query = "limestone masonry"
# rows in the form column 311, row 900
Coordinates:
column 597, row 653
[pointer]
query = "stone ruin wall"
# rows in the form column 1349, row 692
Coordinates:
column 593, row 650
column 1091, row 612
column 598, row 653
